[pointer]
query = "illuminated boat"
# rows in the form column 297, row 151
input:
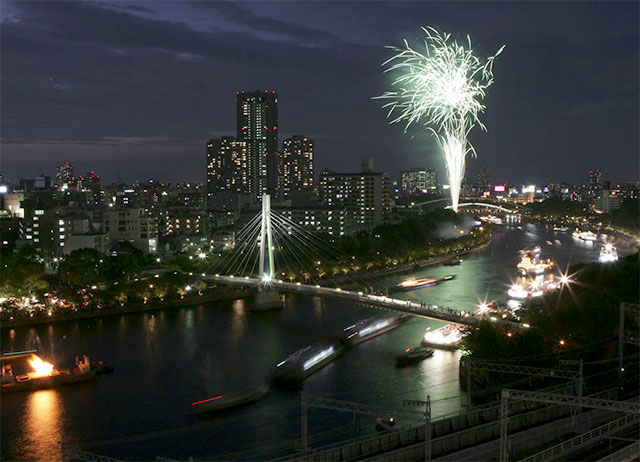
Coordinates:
column 585, row 235
column 608, row 254
column 413, row 355
column 414, row 284
column 304, row 362
column 228, row 400
column 447, row 337
column 45, row 375
column 530, row 262
column 369, row 328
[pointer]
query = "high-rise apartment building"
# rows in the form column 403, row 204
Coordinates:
column 64, row 174
column 484, row 179
column 419, row 180
column 227, row 170
column 595, row 181
column 364, row 196
column 257, row 113
column 297, row 164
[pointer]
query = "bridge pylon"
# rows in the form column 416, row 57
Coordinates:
column 266, row 297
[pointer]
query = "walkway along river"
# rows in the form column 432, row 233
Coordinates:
column 165, row 360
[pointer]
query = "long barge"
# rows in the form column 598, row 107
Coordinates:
column 371, row 327
column 304, row 362
column 228, row 400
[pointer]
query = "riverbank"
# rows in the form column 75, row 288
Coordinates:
column 360, row 275
column 190, row 300
column 233, row 294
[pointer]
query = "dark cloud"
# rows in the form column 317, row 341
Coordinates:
column 104, row 83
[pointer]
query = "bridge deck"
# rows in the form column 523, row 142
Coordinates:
column 377, row 301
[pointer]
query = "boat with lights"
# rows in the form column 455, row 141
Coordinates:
column 369, row 328
column 447, row 337
column 608, row 254
column 585, row 235
column 229, row 400
column 415, row 284
column 44, row 375
column 413, row 355
column 304, row 362
column 530, row 262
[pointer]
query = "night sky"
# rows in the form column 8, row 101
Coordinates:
column 135, row 89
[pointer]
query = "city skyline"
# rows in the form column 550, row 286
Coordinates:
column 146, row 104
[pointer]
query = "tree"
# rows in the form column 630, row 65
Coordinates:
column 21, row 273
column 82, row 268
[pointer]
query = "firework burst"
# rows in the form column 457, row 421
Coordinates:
column 441, row 87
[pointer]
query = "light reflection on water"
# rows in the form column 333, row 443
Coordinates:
column 43, row 422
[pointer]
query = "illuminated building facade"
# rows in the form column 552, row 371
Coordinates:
column 297, row 164
column 595, row 182
column 364, row 196
column 64, row 174
column 419, row 181
column 228, row 171
column 257, row 125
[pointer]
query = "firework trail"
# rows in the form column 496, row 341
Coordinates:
column 442, row 87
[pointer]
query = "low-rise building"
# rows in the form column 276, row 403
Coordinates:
column 132, row 225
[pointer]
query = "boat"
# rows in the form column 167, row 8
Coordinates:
column 454, row 262
column 585, row 235
column 449, row 277
column 447, row 337
column 45, row 375
column 228, row 400
column 414, row 284
column 530, row 262
column 299, row 365
column 369, row 328
column 608, row 254
column 413, row 355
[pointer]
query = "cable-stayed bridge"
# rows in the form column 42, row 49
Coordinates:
column 376, row 301
column 255, row 251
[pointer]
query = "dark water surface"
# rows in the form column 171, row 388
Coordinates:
column 167, row 359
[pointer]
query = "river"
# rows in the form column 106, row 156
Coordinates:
column 166, row 359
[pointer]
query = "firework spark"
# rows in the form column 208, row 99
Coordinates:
column 442, row 87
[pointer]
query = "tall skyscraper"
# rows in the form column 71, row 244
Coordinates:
column 484, row 179
column 64, row 174
column 297, row 164
column 595, row 181
column 258, row 128
column 227, row 170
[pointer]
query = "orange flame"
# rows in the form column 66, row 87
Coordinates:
column 41, row 368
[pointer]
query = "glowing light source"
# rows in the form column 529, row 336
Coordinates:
column 206, row 400
column 41, row 368
column 441, row 86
